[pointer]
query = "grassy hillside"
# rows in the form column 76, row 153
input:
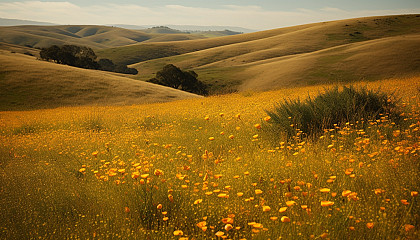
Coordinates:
column 370, row 60
column 314, row 53
column 162, row 29
column 97, row 37
column 204, row 169
column 292, row 40
column 217, row 33
column 26, row 83
column 19, row 49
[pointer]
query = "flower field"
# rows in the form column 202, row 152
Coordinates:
column 208, row 169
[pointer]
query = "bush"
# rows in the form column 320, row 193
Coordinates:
column 332, row 108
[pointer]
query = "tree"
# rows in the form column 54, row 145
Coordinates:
column 83, row 57
column 71, row 55
column 106, row 65
column 174, row 77
column 51, row 53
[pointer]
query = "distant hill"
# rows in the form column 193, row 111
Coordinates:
column 162, row 30
column 17, row 22
column 337, row 51
column 211, row 34
column 188, row 28
column 97, row 37
column 27, row 83
column 343, row 51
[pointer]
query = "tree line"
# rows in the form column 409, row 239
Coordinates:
column 82, row 57
column 85, row 57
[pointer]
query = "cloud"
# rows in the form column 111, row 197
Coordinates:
column 244, row 16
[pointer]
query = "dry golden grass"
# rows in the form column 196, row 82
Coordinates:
column 19, row 49
column 27, row 83
column 204, row 168
column 347, row 50
column 369, row 60
column 97, row 37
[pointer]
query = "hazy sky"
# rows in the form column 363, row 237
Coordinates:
column 254, row 14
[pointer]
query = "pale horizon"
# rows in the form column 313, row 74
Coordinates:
column 249, row 14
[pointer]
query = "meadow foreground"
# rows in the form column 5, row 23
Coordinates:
column 208, row 168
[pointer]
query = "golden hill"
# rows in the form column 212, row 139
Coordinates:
column 27, row 83
column 286, row 41
column 363, row 48
column 19, row 49
column 370, row 60
column 97, row 37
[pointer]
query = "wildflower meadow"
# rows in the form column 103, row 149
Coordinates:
column 209, row 168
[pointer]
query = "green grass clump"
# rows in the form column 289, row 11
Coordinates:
column 332, row 108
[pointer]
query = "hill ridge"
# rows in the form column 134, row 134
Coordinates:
column 27, row 83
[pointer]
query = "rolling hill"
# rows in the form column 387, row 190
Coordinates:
column 97, row 37
column 27, row 83
column 353, row 50
column 344, row 51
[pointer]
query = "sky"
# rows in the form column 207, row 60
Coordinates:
column 252, row 14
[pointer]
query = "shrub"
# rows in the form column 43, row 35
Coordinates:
column 332, row 108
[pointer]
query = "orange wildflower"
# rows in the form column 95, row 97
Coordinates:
column 228, row 227
column 223, row 195
column 285, row 219
column 327, row 203
column 135, row 175
column 408, row 227
column 266, row 208
column 346, row 193
column 283, row 209
column 227, row 220
column 158, row 172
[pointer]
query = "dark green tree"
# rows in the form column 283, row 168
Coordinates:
column 83, row 57
column 51, row 53
column 106, row 65
column 174, row 77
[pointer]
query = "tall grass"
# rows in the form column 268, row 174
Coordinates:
column 332, row 108
column 206, row 168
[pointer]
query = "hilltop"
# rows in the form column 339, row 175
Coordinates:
column 289, row 56
column 97, row 37
column 345, row 51
column 27, row 83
